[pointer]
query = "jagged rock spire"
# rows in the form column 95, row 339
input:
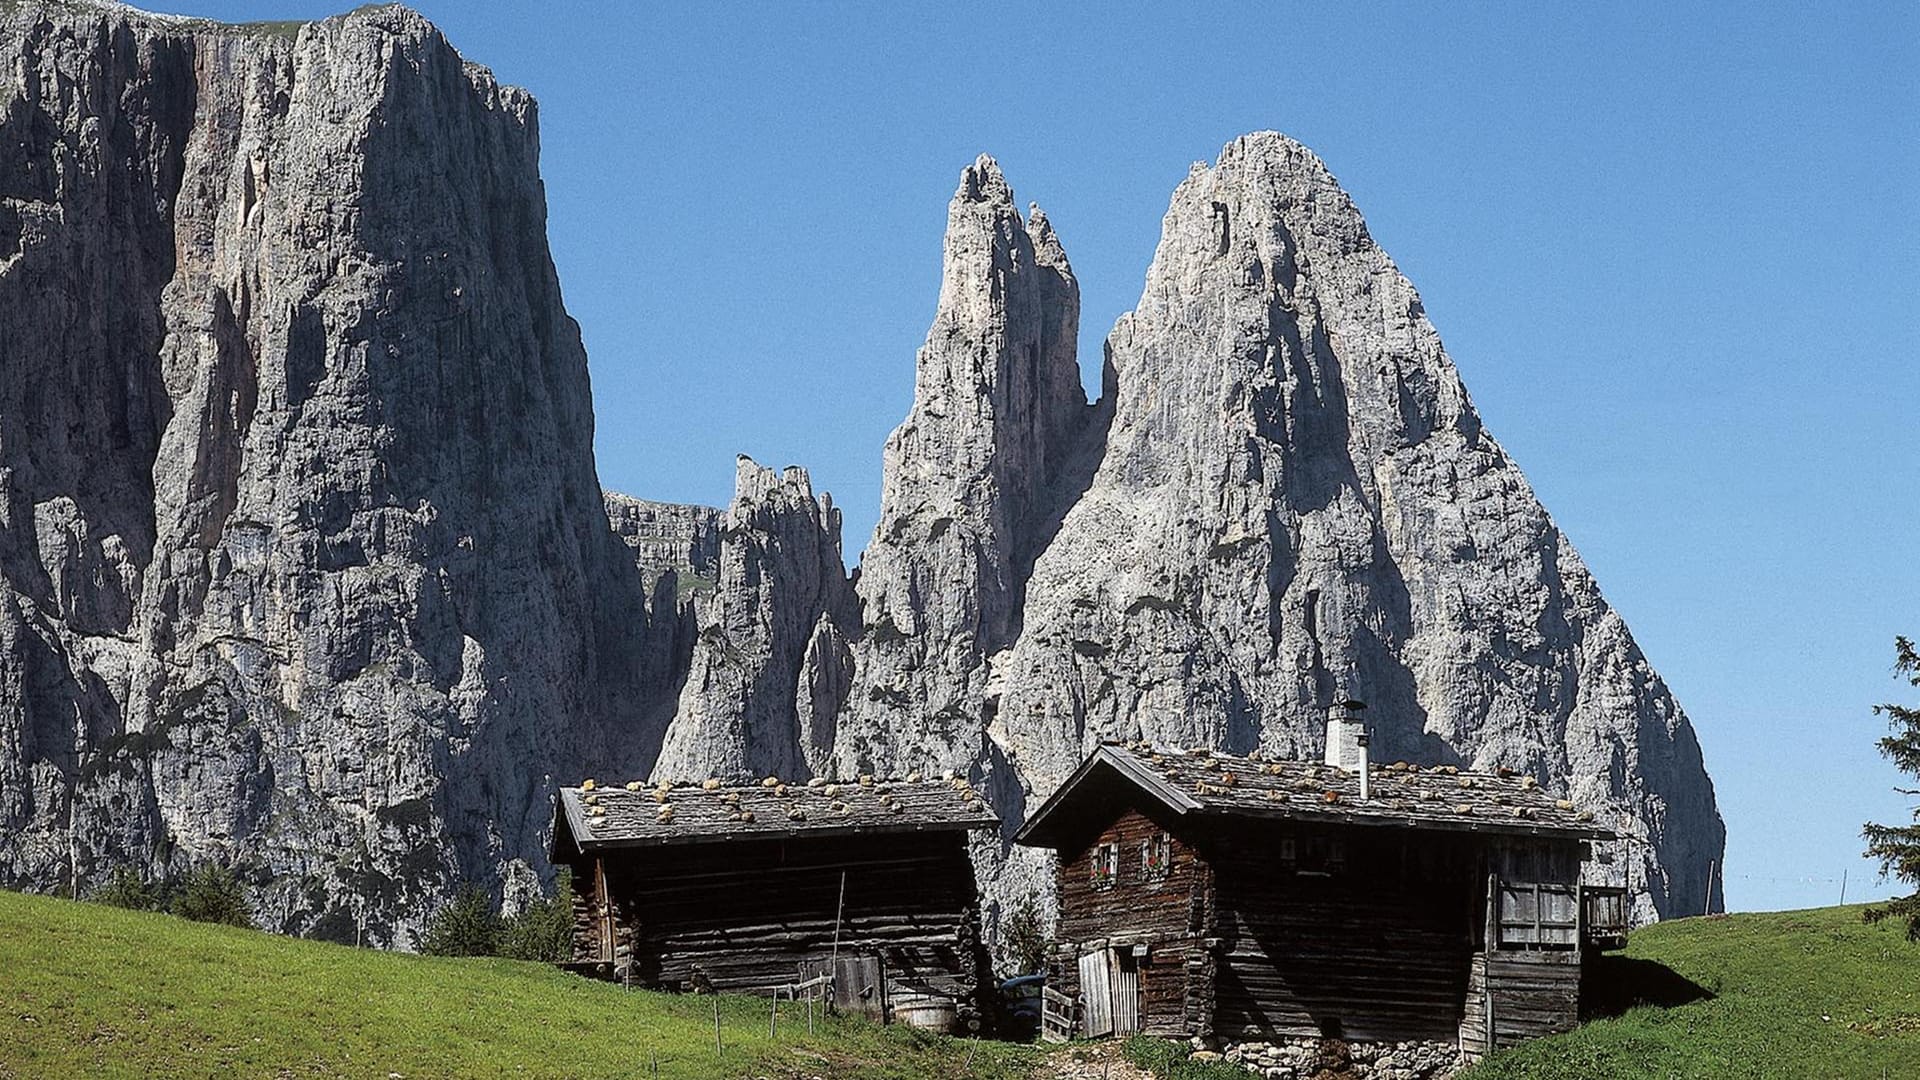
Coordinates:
column 973, row 478
column 302, row 562
column 776, row 615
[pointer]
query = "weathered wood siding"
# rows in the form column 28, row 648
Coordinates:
column 1157, row 910
column 1265, row 929
column 598, row 937
column 750, row 914
column 1531, row 979
column 1535, row 992
column 1367, row 935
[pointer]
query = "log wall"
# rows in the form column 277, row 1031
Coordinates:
column 751, row 914
column 1139, row 907
column 1535, row 993
column 1368, row 940
column 1269, row 930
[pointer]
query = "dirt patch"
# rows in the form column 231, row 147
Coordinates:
column 1091, row 1061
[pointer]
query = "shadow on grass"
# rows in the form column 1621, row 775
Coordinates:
column 1611, row 985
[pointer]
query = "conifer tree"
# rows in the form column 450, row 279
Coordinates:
column 467, row 926
column 1898, row 846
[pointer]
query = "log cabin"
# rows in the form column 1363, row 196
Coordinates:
column 1246, row 901
column 753, row 887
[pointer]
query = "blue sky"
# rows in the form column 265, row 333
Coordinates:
column 1676, row 256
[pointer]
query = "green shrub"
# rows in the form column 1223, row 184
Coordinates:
column 211, row 893
column 543, row 930
column 1170, row 1060
column 127, row 889
column 1023, row 939
column 467, row 926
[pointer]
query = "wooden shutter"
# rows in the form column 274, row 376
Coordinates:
column 1535, row 913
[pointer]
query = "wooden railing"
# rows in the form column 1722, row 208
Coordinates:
column 1059, row 1016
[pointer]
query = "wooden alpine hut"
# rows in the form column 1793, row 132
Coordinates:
column 752, row 887
column 1246, row 900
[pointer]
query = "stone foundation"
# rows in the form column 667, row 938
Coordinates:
column 1303, row 1059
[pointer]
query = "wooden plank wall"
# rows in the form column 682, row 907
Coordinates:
column 1383, row 943
column 598, row 937
column 1535, row 992
column 746, row 915
column 1159, row 911
column 1375, row 947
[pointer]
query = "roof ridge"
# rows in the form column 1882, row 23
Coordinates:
column 1204, row 780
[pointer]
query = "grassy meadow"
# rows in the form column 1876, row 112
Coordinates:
column 89, row 990
column 1792, row 994
column 96, row 991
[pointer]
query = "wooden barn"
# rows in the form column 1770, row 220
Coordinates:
column 1244, row 900
column 752, row 887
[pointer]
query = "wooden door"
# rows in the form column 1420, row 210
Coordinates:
column 603, row 900
column 1096, row 992
column 859, row 985
column 1126, row 990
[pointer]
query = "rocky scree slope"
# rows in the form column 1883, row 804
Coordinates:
column 303, row 560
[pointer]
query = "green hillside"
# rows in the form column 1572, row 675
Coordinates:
column 1793, row 994
column 97, row 991
column 92, row 990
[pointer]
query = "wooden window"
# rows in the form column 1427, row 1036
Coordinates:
column 1538, row 915
column 1156, row 857
column 1106, row 866
column 1314, row 856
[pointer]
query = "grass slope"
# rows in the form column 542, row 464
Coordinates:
column 1794, row 994
column 96, row 991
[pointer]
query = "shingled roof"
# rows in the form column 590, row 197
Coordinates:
column 1210, row 783
column 593, row 816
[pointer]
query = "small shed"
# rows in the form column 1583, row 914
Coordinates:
column 747, row 888
column 1246, row 900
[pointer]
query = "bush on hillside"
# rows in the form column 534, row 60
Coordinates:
column 467, row 926
column 212, row 893
column 543, row 930
column 127, row 889
column 1024, row 940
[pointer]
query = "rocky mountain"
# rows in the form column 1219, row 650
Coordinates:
column 1284, row 498
column 1295, row 503
column 769, row 665
column 303, row 561
column 304, row 565
column 976, row 479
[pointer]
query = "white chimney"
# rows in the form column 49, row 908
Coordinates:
column 1344, row 731
column 1366, row 768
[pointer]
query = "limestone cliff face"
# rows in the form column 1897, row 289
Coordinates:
column 304, row 565
column 669, row 538
column 1293, row 500
column 769, row 666
column 975, row 479
column 303, row 562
